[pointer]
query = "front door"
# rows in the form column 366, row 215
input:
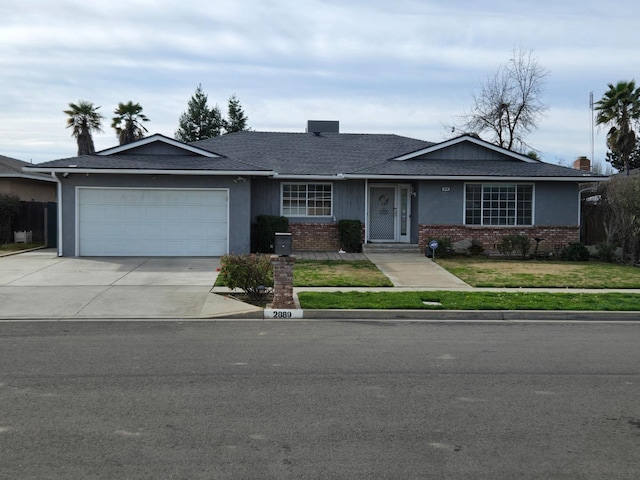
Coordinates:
column 389, row 213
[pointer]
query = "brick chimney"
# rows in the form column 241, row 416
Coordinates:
column 582, row 163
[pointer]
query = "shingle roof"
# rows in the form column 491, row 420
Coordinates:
column 310, row 154
column 330, row 154
column 13, row 167
column 151, row 162
column 471, row 168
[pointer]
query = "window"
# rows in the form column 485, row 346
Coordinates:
column 499, row 204
column 306, row 199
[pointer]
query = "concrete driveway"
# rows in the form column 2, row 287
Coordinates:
column 39, row 284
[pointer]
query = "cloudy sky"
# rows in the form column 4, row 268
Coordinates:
column 406, row 67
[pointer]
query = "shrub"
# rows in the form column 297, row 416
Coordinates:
column 9, row 206
column 350, row 235
column 253, row 274
column 606, row 252
column 520, row 244
column 444, row 250
column 266, row 228
column 575, row 252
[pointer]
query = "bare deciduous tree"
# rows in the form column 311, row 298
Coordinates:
column 508, row 105
column 621, row 200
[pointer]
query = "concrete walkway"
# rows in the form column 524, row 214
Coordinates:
column 412, row 270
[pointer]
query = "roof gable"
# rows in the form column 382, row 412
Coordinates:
column 157, row 144
column 466, row 147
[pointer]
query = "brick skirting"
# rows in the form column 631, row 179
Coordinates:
column 554, row 237
column 316, row 237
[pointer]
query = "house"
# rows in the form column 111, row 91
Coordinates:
column 158, row 196
column 27, row 186
column 36, row 218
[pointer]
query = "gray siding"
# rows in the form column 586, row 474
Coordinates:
column 556, row 203
column 239, row 201
column 158, row 148
column 348, row 200
column 467, row 151
column 438, row 206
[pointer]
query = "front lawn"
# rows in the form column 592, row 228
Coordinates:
column 335, row 273
column 338, row 273
column 488, row 272
column 451, row 300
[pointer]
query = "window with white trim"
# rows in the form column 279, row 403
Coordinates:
column 498, row 204
column 307, row 199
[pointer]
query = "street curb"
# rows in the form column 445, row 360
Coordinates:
column 465, row 315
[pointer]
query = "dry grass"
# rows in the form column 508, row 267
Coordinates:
column 483, row 272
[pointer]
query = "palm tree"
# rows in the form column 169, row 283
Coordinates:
column 620, row 109
column 84, row 118
column 128, row 122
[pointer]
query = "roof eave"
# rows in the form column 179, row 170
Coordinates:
column 132, row 171
column 492, row 178
column 27, row 177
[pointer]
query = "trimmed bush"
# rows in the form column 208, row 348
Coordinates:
column 350, row 232
column 575, row 252
column 266, row 228
column 253, row 274
column 519, row 244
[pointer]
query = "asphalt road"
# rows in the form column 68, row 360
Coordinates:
column 319, row 400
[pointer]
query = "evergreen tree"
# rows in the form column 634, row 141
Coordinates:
column 199, row 121
column 236, row 120
column 616, row 162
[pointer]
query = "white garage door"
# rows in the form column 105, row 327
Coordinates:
column 152, row 222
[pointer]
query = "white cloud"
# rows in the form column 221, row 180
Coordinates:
column 402, row 67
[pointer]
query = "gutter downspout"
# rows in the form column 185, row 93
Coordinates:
column 59, row 195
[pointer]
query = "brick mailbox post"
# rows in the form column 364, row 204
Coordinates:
column 283, row 283
column 283, row 264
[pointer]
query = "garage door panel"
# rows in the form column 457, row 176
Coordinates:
column 152, row 222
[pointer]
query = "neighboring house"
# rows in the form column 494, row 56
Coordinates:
column 27, row 186
column 157, row 196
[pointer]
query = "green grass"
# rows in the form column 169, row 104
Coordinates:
column 487, row 272
column 448, row 300
column 16, row 247
column 335, row 273
column 338, row 273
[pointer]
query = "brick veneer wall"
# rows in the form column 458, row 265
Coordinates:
column 554, row 237
column 316, row 237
